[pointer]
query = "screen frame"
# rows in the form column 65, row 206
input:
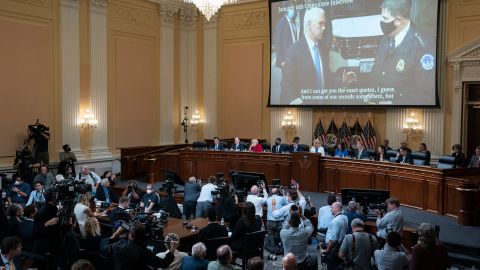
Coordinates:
column 384, row 106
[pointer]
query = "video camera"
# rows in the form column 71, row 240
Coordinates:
column 379, row 206
column 36, row 129
column 154, row 224
column 68, row 189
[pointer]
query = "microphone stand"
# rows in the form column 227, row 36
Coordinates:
column 185, row 123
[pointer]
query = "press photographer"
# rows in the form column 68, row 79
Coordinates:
column 25, row 164
column 40, row 134
column 133, row 192
column 205, row 199
column 67, row 159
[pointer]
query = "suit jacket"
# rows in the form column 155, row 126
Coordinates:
column 300, row 73
column 100, row 195
column 128, row 255
column 298, row 149
column 238, row 147
column 220, row 147
column 474, row 162
column 194, row 263
column 282, row 148
column 363, row 155
column 283, row 40
column 460, row 160
column 17, row 261
column 407, row 159
column 212, row 230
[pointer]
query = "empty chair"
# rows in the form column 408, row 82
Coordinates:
column 266, row 147
column 253, row 247
column 419, row 158
column 392, row 155
column 371, row 154
column 200, row 145
column 446, row 162
column 213, row 244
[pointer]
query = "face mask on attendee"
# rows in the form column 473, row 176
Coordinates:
column 149, row 191
column 387, row 28
column 17, row 183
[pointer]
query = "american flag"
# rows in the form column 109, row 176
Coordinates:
column 344, row 134
column 357, row 132
column 319, row 132
column 332, row 128
column 369, row 136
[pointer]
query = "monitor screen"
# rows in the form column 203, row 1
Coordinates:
column 353, row 52
column 364, row 197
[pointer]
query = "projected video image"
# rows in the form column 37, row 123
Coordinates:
column 353, row 52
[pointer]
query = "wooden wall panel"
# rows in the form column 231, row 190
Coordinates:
column 353, row 179
column 408, row 191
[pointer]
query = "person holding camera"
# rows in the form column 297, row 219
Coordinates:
column 295, row 239
column 26, row 165
column 393, row 255
column 36, row 196
column 391, row 221
column 259, row 202
column 67, row 158
column 274, row 224
column 110, row 176
column 204, row 201
column 89, row 177
column 133, row 254
column 133, row 193
column 191, row 192
column 41, row 140
column 294, row 197
column 19, row 192
column 151, row 200
column 47, row 178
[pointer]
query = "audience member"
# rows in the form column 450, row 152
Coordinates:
column 82, row 265
column 89, row 177
column 150, row 200
column 133, row 192
column 255, row 263
column 105, row 192
column 82, row 211
column 246, row 224
column 120, row 212
column 224, row 259
column 36, row 196
column 460, row 160
column 3, row 221
column 18, row 192
column 46, row 177
column 352, row 213
column 274, row 224
column 25, row 229
column 317, row 148
column 217, row 145
column 255, row 146
column 93, row 233
column 46, row 230
column 67, row 160
column 237, row 145
column 341, row 151
column 11, row 248
column 213, row 229
column 204, row 201
column 404, row 156
column 196, row 261
column 289, row 262
column 475, row 160
column 427, row 253
column 392, row 221
column 325, row 214
column 423, row 149
column 357, row 248
column 191, row 192
column 133, row 254
column 394, row 255
column 15, row 216
column 295, row 240
column 258, row 202
column 278, row 147
column 336, row 231
column 178, row 255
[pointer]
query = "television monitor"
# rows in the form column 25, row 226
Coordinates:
column 364, row 197
column 243, row 181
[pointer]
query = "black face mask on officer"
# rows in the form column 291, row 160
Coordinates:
column 388, row 28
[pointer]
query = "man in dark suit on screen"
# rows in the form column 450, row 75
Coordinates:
column 306, row 67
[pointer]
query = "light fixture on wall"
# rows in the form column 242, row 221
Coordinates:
column 288, row 122
column 412, row 126
column 88, row 121
column 196, row 121
column 209, row 7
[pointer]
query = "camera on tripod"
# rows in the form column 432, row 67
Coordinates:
column 153, row 223
column 36, row 130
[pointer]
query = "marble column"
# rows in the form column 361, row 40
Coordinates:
column 305, row 125
column 188, row 66
column 395, row 120
column 210, row 82
column 70, row 74
column 98, row 78
column 167, row 17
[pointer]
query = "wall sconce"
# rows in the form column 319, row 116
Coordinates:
column 88, row 121
column 288, row 122
column 411, row 125
column 196, row 121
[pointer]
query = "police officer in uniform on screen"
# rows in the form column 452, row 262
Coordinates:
column 404, row 59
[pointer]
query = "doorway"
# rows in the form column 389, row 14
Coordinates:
column 472, row 118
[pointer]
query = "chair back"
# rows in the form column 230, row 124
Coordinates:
column 266, row 147
column 392, row 154
column 371, row 153
column 304, row 148
column 446, row 162
column 200, row 145
column 254, row 243
column 213, row 244
column 419, row 158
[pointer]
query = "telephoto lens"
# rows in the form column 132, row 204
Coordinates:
column 272, row 257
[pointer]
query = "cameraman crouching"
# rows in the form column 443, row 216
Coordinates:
column 204, row 201
column 133, row 193
column 133, row 254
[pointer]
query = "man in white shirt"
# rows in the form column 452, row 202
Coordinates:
column 90, row 178
column 204, row 201
column 325, row 214
column 258, row 201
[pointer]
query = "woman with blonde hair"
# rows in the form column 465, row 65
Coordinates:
column 82, row 211
column 92, row 234
column 255, row 146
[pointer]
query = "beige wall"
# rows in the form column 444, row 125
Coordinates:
column 30, row 72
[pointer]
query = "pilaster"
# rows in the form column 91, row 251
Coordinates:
column 210, row 81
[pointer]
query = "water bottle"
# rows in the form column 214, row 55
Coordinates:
column 222, row 222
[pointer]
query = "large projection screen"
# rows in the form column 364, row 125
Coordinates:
column 353, row 52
